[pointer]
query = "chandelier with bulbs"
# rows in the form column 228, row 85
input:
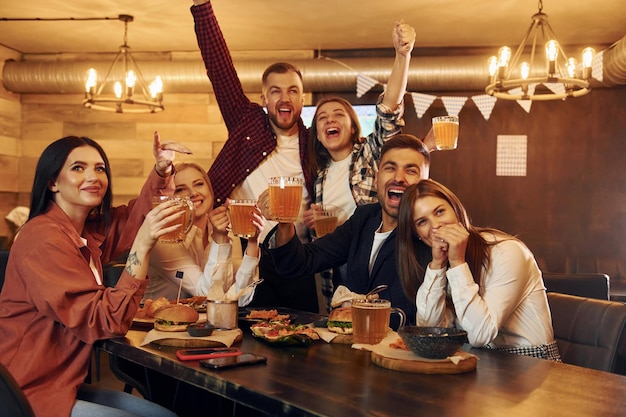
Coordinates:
column 121, row 96
column 556, row 77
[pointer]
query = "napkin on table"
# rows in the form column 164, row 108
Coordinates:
column 227, row 337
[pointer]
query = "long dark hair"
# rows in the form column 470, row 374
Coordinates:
column 48, row 168
column 413, row 255
column 319, row 158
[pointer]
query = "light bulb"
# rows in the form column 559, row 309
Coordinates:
column 493, row 65
column 525, row 70
column 117, row 89
column 156, row 87
column 571, row 67
column 504, row 55
column 130, row 79
column 92, row 80
column 588, row 54
column 552, row 50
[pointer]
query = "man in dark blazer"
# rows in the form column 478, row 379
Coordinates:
column 366, row 241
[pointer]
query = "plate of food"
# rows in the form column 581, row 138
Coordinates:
column 251, row 316
column 146, row 314
column 284, row 333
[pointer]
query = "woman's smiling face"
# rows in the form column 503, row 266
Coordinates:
column 194, row 184
column 430, row 213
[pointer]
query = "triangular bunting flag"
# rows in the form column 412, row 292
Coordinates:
column 422, row 102
column 364, row 84
column 525, row 104
column 485, row 104
column 597, row 66
column 453, row 105
column 556, row 88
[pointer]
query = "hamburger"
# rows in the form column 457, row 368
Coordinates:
column 340, row 320
column 175, row 318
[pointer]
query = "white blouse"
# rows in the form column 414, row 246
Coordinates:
column 508, row 309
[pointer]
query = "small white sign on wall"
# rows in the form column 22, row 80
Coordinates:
column 511, row 156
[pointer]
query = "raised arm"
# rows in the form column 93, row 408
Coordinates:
column 403, row 36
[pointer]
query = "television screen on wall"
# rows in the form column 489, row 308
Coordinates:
column 365, row 112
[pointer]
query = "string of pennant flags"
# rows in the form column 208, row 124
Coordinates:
column 484, row 102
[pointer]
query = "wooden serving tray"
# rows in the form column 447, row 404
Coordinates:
column 345, row 339
column 468, row 364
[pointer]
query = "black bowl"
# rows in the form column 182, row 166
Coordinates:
column 200, row 329
column 433, row 342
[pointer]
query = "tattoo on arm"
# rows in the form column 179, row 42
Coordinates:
column 130, row 262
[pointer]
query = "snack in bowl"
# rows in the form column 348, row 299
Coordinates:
column 175, row 318
column 200, row 329
column 340, row 320
column 433, row 342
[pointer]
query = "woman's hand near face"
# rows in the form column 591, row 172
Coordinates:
column 221, row 223
column 452, row 239
column 164, row 153
column 155, row 225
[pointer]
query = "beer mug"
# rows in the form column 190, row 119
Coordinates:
column 370, row 319
column 185, row 221
column 285, row 198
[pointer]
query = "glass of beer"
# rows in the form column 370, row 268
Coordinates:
column 285, row 198
column 370, row 319
column 185, row 221
column 240, row 212
column 446, row 130
column 325, row 218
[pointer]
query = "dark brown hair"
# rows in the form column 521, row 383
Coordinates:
column 319, row 158
column 279, row 68
column 413, row 255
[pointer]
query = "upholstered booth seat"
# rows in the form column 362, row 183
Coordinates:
column 589, row 332
column 591, row 285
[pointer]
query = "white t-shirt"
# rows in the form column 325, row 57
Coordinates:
column 337, row 188
column 284, row 161
column 379, row 239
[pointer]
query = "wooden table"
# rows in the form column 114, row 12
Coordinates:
column 336, row 380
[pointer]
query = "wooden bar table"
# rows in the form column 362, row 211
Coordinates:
column 336, row 380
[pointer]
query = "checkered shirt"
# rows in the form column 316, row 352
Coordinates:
column 250, row 135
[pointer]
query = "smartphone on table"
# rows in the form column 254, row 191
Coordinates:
column 206, row 353
column 233, row 361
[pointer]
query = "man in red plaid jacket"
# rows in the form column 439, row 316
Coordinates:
column 260, row 145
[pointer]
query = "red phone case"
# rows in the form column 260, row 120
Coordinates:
column 206, row 353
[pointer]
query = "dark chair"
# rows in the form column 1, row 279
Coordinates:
column 13, row 402
column 4, row 258
column 579, row 284
column 589, row 332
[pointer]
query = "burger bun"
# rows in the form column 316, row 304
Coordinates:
column 175, row 318
column 340, row 320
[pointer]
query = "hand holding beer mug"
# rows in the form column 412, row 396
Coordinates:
column 240, row 212
column 184, row 222
column 446, row 129
column 325, row 219
column 370, row 319
column 285, row 194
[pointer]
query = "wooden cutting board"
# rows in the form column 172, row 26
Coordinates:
column 345, row 339
column 194, row 342
column 468, row 364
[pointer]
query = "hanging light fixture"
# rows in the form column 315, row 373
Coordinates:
column 557, row 77
column 122, row 97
